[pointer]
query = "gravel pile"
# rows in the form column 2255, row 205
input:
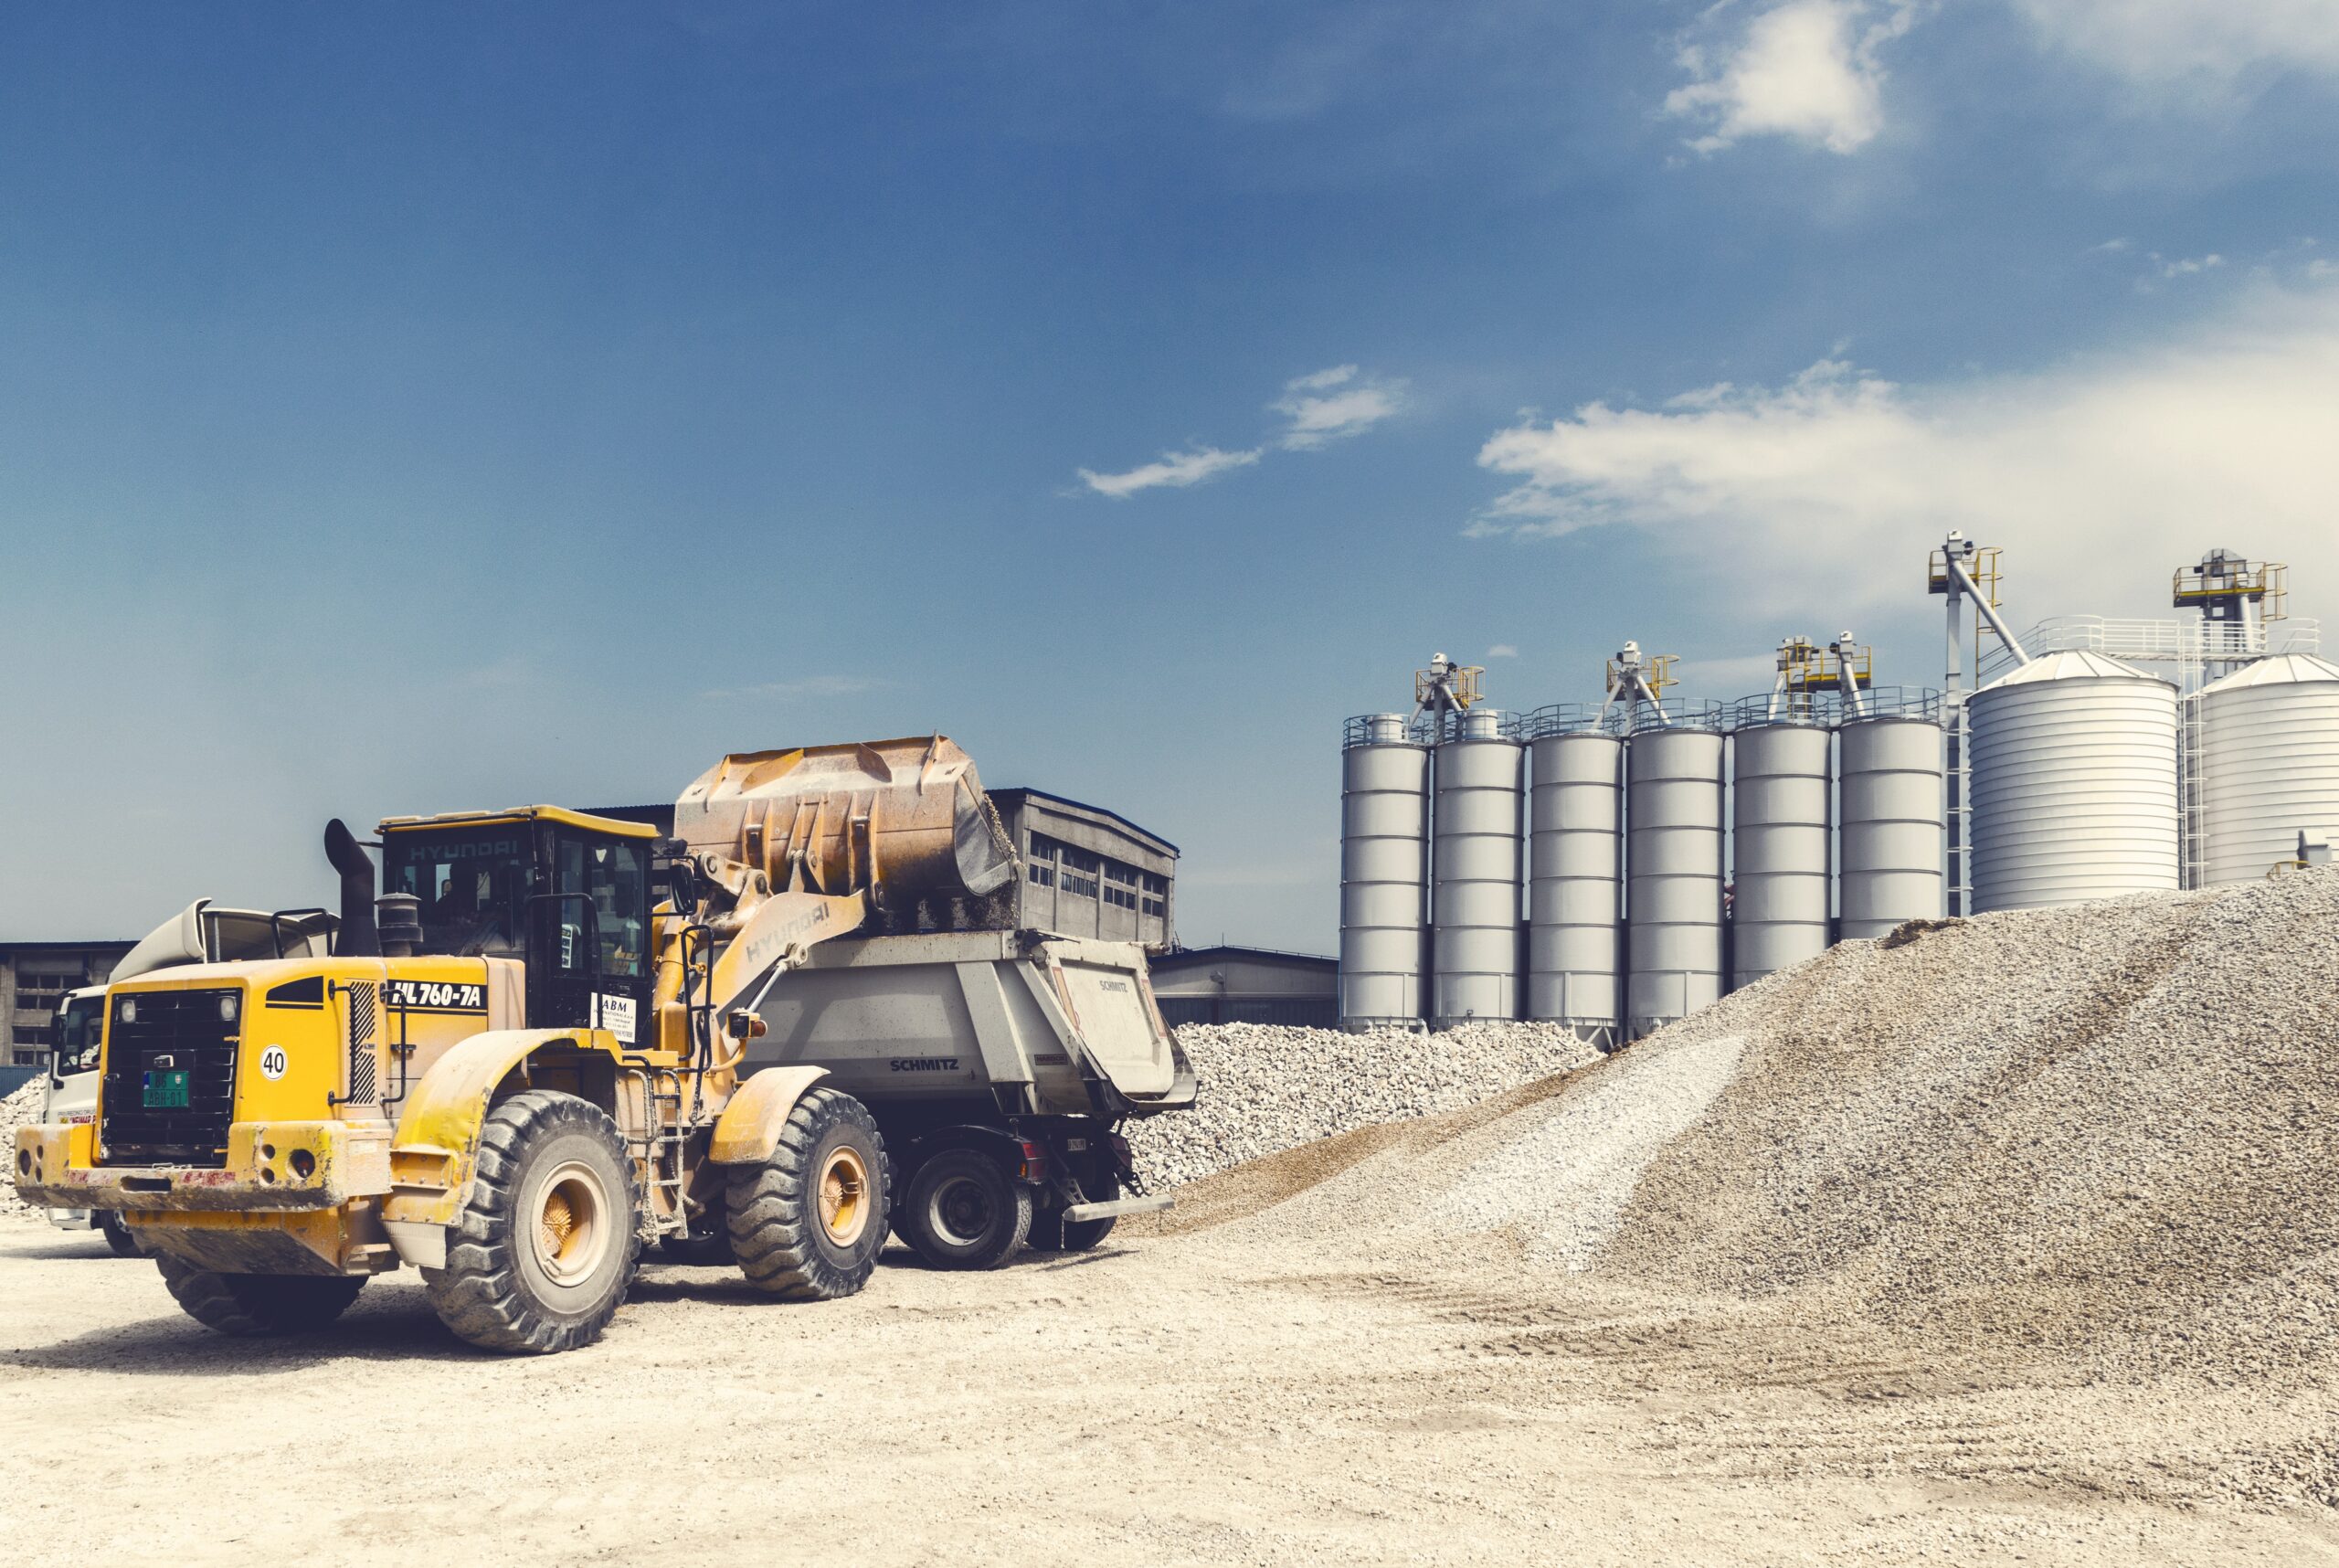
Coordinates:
column 1266, row 1087
column 2106, row 1132
column 2059, row 1179
column 21, row 1108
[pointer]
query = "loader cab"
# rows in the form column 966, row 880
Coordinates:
column 567, row 894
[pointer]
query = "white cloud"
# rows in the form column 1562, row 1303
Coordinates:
column 1319, row 409
column 1826, row 490
column 1807, row 69
column 2167, row 41
column 2186, row 266
column 1502, row 650
column 1175, row 470
column 1332, row 405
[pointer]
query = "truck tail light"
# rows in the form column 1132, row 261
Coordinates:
column 1035, row 1163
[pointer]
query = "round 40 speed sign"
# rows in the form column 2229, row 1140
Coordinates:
column 272, row 1063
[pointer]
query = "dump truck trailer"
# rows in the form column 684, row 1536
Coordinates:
column 998, row 1066
column 556, row 1038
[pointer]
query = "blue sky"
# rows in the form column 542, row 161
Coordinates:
column 417, row 407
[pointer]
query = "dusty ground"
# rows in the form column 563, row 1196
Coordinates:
column 1177, row 1399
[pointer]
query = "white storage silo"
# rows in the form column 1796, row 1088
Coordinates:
column 1779, row 854
column 1673, row 826
column 1892, row 834
column 2074, row 783
column 1477, row 829
column 2267, row 743
column 1575, row 882
column 1384, row 874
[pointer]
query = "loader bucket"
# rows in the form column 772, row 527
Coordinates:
column 903, row 818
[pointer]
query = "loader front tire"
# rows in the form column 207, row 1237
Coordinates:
column 808, row 1223
column 249, row 1305
column 540, row 1256
column 964, row 1211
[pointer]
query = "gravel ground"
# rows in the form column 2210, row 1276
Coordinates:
column 1266, row 1088
column 2012, row 1242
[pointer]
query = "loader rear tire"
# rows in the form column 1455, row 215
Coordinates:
column 246, row 1306
column 964, row 1211
column 808, row 1223
column 540, row 1256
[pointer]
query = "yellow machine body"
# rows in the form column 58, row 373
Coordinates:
column 359, row 1085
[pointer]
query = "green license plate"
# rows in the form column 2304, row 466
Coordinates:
column 167, row 1091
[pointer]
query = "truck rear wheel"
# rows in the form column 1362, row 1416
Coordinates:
column 247, row 1305
column 539, row 1257
column 1051, row 1232
column 964, row 1211
column 808, row 1223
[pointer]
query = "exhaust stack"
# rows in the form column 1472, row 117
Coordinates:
column 359, row 939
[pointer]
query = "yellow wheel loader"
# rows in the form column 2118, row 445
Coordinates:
column 528, row 1055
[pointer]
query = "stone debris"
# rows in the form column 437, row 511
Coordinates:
column 21, row 1108
column 1267, row 1087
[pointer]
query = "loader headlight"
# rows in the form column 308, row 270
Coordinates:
column 129, row 1009
column 227, row 1007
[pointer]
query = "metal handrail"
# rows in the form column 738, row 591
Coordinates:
column 2153, row 641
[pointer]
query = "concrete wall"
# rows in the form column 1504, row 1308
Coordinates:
column 1089, row 873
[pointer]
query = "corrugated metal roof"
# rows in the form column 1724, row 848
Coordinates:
column 2071, row 664
column 2282, row 669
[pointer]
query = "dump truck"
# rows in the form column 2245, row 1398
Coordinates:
column 204, row 932
column 557, row 1038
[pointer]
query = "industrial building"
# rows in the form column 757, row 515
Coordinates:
column 1617, row 866
column 1247, row 985
column 32, row 977
column 1087, row 871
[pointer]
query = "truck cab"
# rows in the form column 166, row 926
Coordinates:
column 201, row 933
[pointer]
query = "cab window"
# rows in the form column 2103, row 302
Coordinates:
column 472, row 884
column 79, row 1024
column 613, row 873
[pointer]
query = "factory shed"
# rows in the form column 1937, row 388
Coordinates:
column 1247, row 985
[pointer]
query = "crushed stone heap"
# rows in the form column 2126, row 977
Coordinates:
column 1267, row 1087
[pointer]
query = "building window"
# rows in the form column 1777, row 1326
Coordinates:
column 41, row 993
column 21, row 1058
column 1157, row 895
column 1081, row 871
column 1120, row 884
column 34, row 1034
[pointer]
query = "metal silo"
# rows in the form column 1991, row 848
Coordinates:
column 2267, row 762
column 1890, row 809
column 1673, row 825
column 1576, row 893
column 1474, row 901
column 2074, row 793
column 1384, row 872
column 1779, row 845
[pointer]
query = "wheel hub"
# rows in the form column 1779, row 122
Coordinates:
column 844, row 1197
column 572, row 1230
